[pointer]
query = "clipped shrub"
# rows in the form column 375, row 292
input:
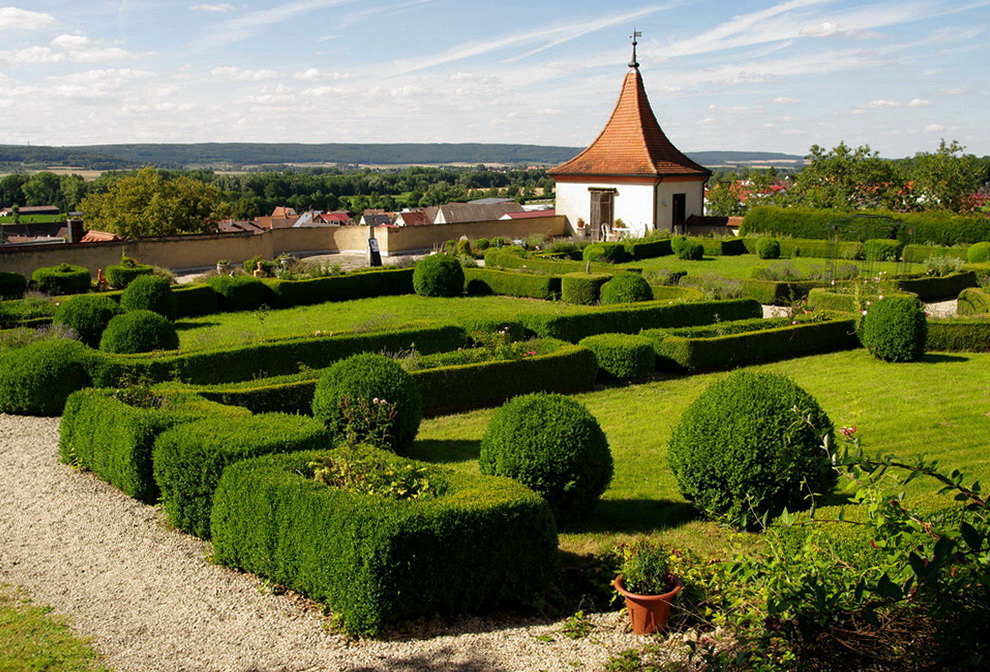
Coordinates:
column 369, row 398
column 238, row 292
column 690, row 250
column 622, row 356
column 121, row 275
column 768, row 248
column 606, row 253
column 553, row 445
column 882, row 249
column 62, row 279
column 38, row 378
column 87, row 315
column 438, row 275
column 973, row 301
column 626, row 288
column 489, row 281
column 649, row 248
column 464, row 248
column 895, row 328
column 583, row 288
column 139, row 331
column 750, row 446
column 979, row 253
column 356, row 285
column 481, row 245
column 12, row 285
column 959, row 335
column 149, row 292
column 188, row 460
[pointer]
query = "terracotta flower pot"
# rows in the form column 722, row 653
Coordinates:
column 648, row 613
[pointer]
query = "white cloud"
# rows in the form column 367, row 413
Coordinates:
column 919, row 102
column 884, row 104
column 243, row 75
column 30, row 55
column 222, row 7
column 934, row 128
column 952, row 92
column 71, row 41
column 12, row 18
column 784, row 100
column 314, row 74
column 823, row 29
column 81, row 49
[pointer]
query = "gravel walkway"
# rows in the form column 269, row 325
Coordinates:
column 151, row 601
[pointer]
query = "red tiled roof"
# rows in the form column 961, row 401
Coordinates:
column 529, row 214
column 339, row 217
column 94, row 236
column 414, row 218
column 632, row 142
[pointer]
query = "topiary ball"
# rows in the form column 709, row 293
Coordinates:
column 88, row 315
column 978, row 253
column 12, row 285
column 438, row 275
column 626, row 288
column 149, row 292
column 606, row 253
column 369, row 398
column 768, row 248
column 622, row 356
column 895, row 328
column 553, row 445
column 238, row 292
column 139, row 331
column 62, row 279
column 120, row 276
column 691, row 251
column 38, row 378
column 750, row 446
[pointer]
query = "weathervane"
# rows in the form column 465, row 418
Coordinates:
column 634, row 63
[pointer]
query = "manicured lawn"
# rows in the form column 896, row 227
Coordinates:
column 937, row 407
column 32, row 641
column 363, row 314
column 741, row 266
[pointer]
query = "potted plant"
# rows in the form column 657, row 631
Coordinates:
column 223, row 266
column 648, row 585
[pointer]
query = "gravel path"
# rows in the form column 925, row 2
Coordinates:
column 151, row 601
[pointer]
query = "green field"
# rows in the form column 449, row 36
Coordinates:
column 931, row 407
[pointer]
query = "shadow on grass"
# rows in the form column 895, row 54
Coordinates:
column 445, row 451
column 635, row 515
column 942, row 359
column 186, row 326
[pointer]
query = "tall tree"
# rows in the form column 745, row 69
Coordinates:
column 946, row 178
column 848, row 179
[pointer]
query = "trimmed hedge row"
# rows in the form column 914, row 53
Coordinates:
column 582, row 288
column 62, row 279
column 648, row 249
column 722, row 247
column 38, row 378
column 12, row 285
column 607, row 253
column 919, row 254
column 119, row 276
column 499, row 258
column 821, row 298
column 622, row 356
column 671, row 293
column 630, row 319
column 114, row 439
column 699, row 350
column 959, row 335
column 932, row 288
column 484, row 542
column 777, row 292
column 973, row 301
column 807, row 247
column 505, row 283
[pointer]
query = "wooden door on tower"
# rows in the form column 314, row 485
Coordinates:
column 602, row 212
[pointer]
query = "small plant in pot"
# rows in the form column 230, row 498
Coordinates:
column 647, row 584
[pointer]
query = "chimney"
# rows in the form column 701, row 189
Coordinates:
column 76, row 231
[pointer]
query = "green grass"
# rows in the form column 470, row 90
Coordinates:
column 741, row 266
column 930, row 407
column 363, row 314
column 32, row 641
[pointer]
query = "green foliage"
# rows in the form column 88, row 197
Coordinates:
column 722, row 247
column 882, row 249
column 648, row 248
column 747, row 448
column 553, row 445
column 150, row 292
column 626, row 288
column 268, row 268
column 934, row 288
column 344, row 287
column 920, row 254
column 848, row 179
column 646, row 568
column 606, row 253
column 622, row 356
column 359, row 471
column 120, row 276
column 487, row 281
column 768, row 248
column 947, row 177
column 960, row 335
column 238, row 292
column 582, row 288
column 12, row 285
column 438, row 275
column 481, row 244
column 112, row 434
column 87, row 316
column 821, row 298
column 369, row 398
column 62, row 279
column 895, row 328
column 690, row 250
column 38, row 378
column 978, row 253
column 188, row 460
column 481, row 543
column 973, row 301
column 139, row 331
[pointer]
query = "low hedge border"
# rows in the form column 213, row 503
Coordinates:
column 778, row 292
column 673, row 293
column 506, row 283
column 357, row 285
column 114, row 440
column 919, row 254
column 484, row 542
column 648, row 249
column 496, row 258
column 959, row 335
column 822, row 298
column 811, row 247
column 622, row 356
column 945, row 287
column 582, row 288
column 631, row 318
column 722, row 247
column 694, row 351
column 973, row 301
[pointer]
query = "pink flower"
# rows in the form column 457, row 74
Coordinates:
column 848, row 431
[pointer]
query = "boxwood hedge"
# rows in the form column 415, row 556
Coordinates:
column 934, row 288
column 484, row 542
column 345, row 287
column 606, row 253
column 582, row 288
column 139, row 331
column 625, row 288
column 62, row 279
column 648, row 249
column 188, row 460
column 150, row 292
column 506, row 283
column 38, row 378
column 895, row 329
column 622, row 356
column 777, row 292
column 973, row 301
column 120, row 276
column 821, row 298
column 959, row 335
column 88, row 315
column 919, row 254
column 239, row 292
column 12, row 285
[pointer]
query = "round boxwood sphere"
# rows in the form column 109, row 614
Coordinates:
column 139, row 331
column 62, row 279
column 438, row 275
column 768, row 248
column 149, row 292
column 553, row 445
column 238, row 292
column 37, row 379
column 978, row 253
column 749, row 446
column 88, row 315
column 12, row 285
column 626, row 288
column 895, row 328
column 355, row 396
column 691, row 251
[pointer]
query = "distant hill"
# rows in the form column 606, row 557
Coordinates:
column 247, row 154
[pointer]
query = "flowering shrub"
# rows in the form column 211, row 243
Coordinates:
column 362, row 472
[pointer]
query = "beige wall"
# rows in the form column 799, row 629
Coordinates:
column 183, row 252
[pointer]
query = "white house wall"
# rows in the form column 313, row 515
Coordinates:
column 694, row 201
column 633, row 203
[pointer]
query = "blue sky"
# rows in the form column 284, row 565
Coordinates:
column 898, row 75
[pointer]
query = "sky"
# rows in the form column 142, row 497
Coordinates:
column 898, row 75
